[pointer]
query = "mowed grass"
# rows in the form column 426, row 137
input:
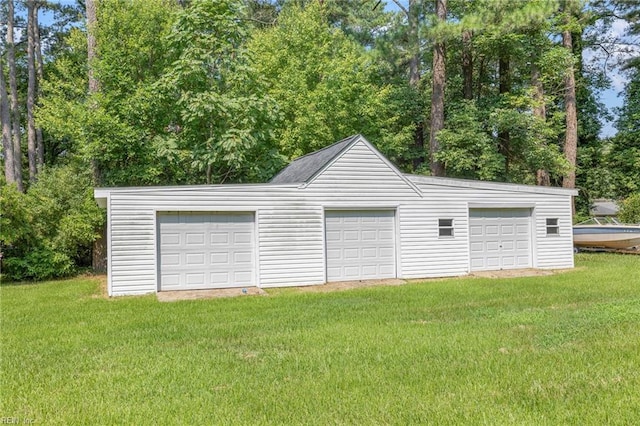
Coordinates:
column 560, row 349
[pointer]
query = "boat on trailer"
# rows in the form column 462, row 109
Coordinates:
column 606, row 233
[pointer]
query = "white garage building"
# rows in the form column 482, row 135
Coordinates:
column 341, row 213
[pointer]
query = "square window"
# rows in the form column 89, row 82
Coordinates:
column 445, row 227
column 553, row 228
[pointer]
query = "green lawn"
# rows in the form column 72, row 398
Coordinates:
column 561, row 349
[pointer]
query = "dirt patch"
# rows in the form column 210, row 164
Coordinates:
column 515, row 273
column 172, row 296
column 344, row 285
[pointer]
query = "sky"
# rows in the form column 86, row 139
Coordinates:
column 612, row 97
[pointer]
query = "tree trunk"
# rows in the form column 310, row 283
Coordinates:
column 39, row 78
column 94, row 84
column 31, row 91
column 13, row 94
column 481, row 73
column 437, row 95
column 539, row 111
column 504, row 138
column 467, row 65
column 92, row 20
column 7, row 143
column 413, row 18
column 571, row 136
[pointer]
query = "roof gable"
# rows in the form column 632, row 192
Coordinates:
column 304, row 170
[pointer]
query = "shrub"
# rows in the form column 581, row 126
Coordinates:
column 630, row 209
column 46, row 232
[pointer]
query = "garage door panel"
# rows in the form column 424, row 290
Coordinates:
column 475, row 230
column 170, row 259
column 386, row 235
column 493, row 262
column 170, row 239
column 386, row 252
column 171, row 279
column 506, row 230
column 242, row 237
column 195, row 259
column 351, row 253
column 194, row 239
column 369, row 235
column 218, row 278
column 499, row 238
column 219, row 238
column 205, row 250
column 220, row 258
column 369, row 253
column 360, row 245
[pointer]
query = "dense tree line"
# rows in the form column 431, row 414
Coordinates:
column 121, row 93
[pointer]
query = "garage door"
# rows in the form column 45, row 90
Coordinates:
column 205, row 250
column 500, row 239
column 360, row 245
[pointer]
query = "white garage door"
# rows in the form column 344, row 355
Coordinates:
column 205, row 250
column 500, row 239
column 360, row 245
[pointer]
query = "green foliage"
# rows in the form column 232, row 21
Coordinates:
column 113, row 128
column 323, row 82
column 222, row 124
column 630, row 209
column 467, row 149
column 48, row 231
column 40, row 263
column 624, row 156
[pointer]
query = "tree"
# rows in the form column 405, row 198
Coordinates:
column 221, row 126
column 624, row 152
column 630, row 209
column 13, row 94
column 410, row 41
column 32, row 147
column 494, row 98
column 7, row 143
column 325, row 85
column 93, row 83
column 437, row 95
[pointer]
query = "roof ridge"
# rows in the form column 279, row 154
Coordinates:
column 325, row 147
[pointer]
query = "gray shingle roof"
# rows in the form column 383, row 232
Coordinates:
column 303, row 169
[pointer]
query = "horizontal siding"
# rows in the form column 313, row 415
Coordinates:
column 290, row 222
column 291, row 246
column 362, row 178
column 549, row 252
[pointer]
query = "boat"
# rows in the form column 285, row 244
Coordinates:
column 606, row 233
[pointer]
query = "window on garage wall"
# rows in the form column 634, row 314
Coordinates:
column 553, row 228
column 445, row 227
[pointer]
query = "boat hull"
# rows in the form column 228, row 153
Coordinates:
column 618, row 237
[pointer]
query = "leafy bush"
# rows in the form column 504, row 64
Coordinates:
column 47, row 232
column 630, row 209
column 39, row 264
